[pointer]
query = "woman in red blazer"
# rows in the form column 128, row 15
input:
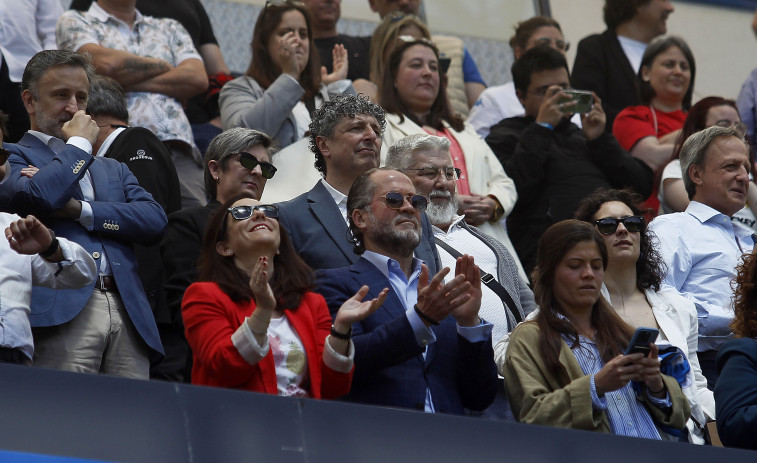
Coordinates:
column 251, row 320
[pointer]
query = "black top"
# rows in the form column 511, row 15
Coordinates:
column 358, row 54
column 553, row 171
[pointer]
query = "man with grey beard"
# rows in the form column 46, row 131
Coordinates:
column 426, row 348
column 425, row 159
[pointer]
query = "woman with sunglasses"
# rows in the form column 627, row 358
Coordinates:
column 666, row 84
column 238, row 160
column 251, row 319
column 413, row 93
column 566, row 368
column 709, row 111
column 284, row 83
column 632, row 286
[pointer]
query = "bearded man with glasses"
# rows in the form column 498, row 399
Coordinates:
column 426, row 348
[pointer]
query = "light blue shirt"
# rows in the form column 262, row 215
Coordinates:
column 407, row 292
column 702, row 248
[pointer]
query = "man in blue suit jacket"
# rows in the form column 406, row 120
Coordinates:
column 345, row 136
column 426, row 348
column 95, row 202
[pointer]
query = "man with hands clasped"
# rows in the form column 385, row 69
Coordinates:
column 426, row 348
column 553, row 162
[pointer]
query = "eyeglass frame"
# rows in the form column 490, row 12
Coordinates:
column 263, row 165
column 547, row 42
column 438, row 171
column 622, row 220
column 413, row 197
column 258, row 207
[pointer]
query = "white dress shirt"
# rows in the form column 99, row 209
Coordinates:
column 18, row 272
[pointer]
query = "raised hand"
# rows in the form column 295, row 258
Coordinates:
column 340, row 65
column 554, row 106
column 477, row 209
column 28, row 236
column 264, row 297
column 467, row 313
column 81, row 125
column 355, row 309
column 593, row 122
column 436, row 299
column 287, row 55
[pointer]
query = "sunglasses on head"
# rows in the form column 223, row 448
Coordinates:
column 607, row 226
column 396, row 200
column 245, row 212
column 249, row 161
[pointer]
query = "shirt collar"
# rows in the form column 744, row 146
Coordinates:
column 97, row 12
column 383, row 263
column 43, row 137
column 456, row 223
column 109, row 141
column 704, row 213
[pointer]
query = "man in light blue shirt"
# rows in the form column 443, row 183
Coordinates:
column 701, row 246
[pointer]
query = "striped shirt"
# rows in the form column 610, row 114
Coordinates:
column 627, row 415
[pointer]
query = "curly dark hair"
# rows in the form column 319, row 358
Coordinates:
column 650, row 268
column 332, row 112
column 291, row 279
column 744, row 323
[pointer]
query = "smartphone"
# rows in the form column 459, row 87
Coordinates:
column 640, row 341
column 583, row 98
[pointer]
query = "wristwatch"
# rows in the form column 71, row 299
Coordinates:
column 499, row 211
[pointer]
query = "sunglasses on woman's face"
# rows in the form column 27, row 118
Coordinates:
column 396, row 200
column 607, row 226
column 249, row 161
column 245, row 212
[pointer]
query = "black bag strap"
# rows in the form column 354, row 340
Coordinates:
column 489, row 281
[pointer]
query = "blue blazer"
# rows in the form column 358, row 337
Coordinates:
column 389, row 366
column 123, row 212
column 321, row 237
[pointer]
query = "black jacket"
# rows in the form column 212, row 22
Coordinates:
column 554, row 170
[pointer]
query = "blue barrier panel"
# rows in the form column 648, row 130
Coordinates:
column 74, row 415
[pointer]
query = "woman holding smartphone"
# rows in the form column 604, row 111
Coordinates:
column 632, row 286
column 566, row 368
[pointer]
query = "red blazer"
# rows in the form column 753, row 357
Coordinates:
column 211, row 317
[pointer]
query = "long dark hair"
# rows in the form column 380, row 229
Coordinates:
column 696, row 119
column 612, row 333
column 262, row 67
column 389, row 97
column 291, row 275
column 650, row 268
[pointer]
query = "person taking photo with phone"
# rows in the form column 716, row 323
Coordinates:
column 566, row 367
column 553, row 162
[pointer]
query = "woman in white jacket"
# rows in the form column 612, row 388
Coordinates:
column 413, row 93
column 632, row 281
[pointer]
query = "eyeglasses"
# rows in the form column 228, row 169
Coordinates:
column 249, row 161
column 396, row 200
column 449, row 173
column 560, row 44
column 245, row 212
column 114, row 126
column 541, row 91
column 609, row 225
column 283, row 2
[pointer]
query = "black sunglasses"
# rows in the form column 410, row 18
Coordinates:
column 608, row 225
column 245, row 212
column 249, row 161
column 396, row 200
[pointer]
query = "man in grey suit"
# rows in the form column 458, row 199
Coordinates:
column 426, row 160
column 345, row 136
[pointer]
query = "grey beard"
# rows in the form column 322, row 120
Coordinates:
column 442, row 215
column 403, row 242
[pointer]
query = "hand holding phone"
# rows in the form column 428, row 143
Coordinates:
column 640, row 341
